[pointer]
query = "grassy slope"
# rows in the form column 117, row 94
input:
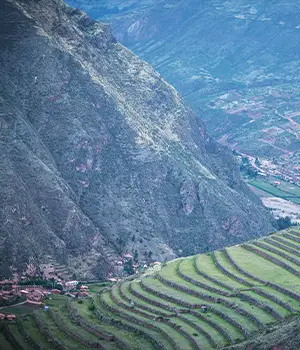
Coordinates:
column 4, row 344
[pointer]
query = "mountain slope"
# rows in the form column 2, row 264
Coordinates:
column 99, row 155
column 235, row 62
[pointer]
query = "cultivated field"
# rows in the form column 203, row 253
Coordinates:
column 284, row 190
column 205, row 301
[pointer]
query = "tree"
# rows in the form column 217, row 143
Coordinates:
column 120, row 244
column 284, row 223
column 128, row 268
column 91, row 307
column 136, row 256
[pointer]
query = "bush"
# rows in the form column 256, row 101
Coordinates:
column 91, row 307
column 284, row 223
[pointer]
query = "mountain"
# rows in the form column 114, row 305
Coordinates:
column 100, row 156
column 235, row 62
column 242, row 297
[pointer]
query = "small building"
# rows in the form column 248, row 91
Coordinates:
column 55, row 291
column 71, row 283
column 2, row 316
column 128, row 256
column 24, row 292
column 112, row 280
column 11, row 317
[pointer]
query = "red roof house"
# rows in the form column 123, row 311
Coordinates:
column 55, row 291
column 11, row 317
column 24, row 292
column 128, row 256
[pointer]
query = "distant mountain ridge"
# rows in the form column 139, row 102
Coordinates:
column 100, row 156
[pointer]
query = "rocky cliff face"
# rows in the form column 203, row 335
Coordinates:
column 99, row 155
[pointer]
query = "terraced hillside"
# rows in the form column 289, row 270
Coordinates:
column 230, row 296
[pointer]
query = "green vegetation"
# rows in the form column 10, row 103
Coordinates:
column 202, row 302
column 41, row 282
column 284, row 223
column 284, row 190
column 247, row 169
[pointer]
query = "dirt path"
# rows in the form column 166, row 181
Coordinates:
column 13, row 305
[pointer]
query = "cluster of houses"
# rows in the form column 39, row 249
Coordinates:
column 30, row 294
column 282, row 170
column 9, row 317
column 120, row 268
column 12, row 293
column 136, row 267
column 71, row 287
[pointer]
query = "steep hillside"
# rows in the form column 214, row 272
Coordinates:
column 100, row 156
column 242, row 297
column 236, row 62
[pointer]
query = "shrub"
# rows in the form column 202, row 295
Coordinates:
column 91, row 307
column 284, row 223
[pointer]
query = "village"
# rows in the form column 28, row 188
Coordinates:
column 12, row 293
column 270, row 118
column 34, row 289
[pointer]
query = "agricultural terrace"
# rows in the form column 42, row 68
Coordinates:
column 205, row 301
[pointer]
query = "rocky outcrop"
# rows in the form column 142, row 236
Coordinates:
column 99, row 155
